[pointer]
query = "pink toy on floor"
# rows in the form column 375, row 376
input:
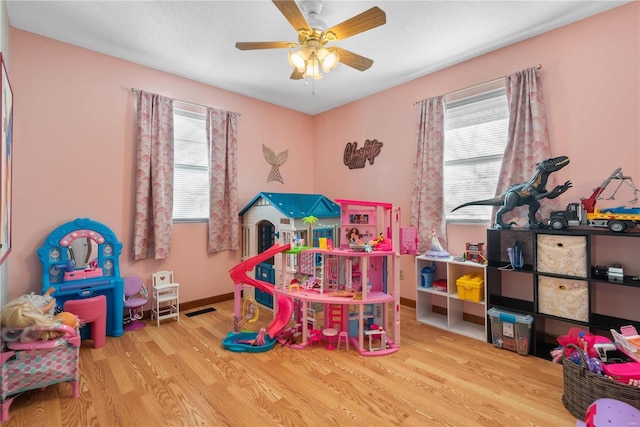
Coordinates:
column 608, row 413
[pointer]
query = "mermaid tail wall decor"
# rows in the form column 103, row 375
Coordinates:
column 275, row 160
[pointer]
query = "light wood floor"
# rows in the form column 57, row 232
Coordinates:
column 179, row 375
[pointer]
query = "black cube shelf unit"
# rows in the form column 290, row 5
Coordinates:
column 526, row 291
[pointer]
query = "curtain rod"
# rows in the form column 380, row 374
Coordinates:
column 134, row 90
column 474, row 86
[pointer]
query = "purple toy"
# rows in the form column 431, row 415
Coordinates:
column 610, row 412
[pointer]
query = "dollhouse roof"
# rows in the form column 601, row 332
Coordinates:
column 298, row 205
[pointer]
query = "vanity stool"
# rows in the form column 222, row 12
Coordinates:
column 91, row 310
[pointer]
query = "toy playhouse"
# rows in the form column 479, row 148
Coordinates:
column 284, row 217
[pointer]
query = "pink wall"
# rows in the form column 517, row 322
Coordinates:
column 591, row 81
column 74, row 134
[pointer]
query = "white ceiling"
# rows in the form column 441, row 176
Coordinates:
column 196, row 39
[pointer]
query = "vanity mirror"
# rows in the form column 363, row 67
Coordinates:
column 83, row 251
column 80, row 259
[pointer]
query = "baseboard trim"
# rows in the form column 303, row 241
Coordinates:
column 472, row 318
column 403, row 301
column 408, row 302
column 184, row 306
column 205, row 301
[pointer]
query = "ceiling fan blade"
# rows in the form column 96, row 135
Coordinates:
column 290, row 10
column 296, row 75
column 365, row 21
column 354, row 60
column 264, row 45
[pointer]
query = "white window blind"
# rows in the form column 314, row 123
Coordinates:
column 475, row 137
column 191, row 167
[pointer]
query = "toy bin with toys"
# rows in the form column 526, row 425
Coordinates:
column 511, row 331
column 629, row 340
column 470, row 287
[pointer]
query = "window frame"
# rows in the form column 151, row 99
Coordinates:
column 190, row 112
column 490, row 92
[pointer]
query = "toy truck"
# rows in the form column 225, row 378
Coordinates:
column 585, row 213
column 616, row 219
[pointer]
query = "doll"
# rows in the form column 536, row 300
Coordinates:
column 354, row 236
column 46, row 303
column 436, row 248
column 18, row 315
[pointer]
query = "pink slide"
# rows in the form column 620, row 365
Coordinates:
column 285, row 304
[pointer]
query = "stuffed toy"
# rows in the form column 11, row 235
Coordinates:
column 19, row 315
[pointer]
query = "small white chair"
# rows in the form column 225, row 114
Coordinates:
column 166, row 303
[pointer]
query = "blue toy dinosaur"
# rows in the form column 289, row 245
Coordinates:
column 527, row 193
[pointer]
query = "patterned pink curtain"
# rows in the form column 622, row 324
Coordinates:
column 224, row 219
column 528, row 141
column 427, row 201
column 154, row 177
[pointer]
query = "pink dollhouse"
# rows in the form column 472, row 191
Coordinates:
column 353, row 280
column 358, row 279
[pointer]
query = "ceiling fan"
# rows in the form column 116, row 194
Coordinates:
column 313, row 35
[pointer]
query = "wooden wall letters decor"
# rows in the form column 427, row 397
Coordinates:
column 356, row 158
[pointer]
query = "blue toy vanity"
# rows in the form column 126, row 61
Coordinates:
column 81, row 259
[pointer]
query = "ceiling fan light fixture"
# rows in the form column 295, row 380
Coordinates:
column 322, row 53
column 312, row 58
column 313, row 69
column 298, row 59
column 329, row 59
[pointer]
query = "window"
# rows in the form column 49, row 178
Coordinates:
column 191, row 167
column 476, row 128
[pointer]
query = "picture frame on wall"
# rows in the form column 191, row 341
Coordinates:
column 6, row 153
column 359, row 219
